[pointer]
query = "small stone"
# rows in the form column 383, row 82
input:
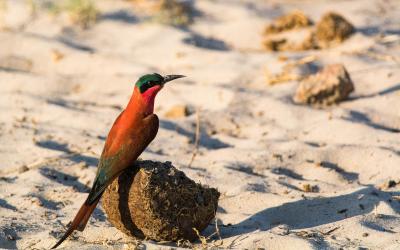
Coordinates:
column 391, row 184
column 365, row 235
column 50, row 215
column 310, row 188
column 82, row 165
column 37, row 201
column 56, row 55
column 10, row 237
column 177, row 111
column 23, row 169
column 329, row 86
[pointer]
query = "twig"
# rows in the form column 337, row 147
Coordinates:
column 219, row 235
column 197, row 138
column 330, row 231
column 237, row 239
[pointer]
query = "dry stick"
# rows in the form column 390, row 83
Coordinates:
column 330, row 231
column 218, row 233
column 197, row 138
column 236, row 239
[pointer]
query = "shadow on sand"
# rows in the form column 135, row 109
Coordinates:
column 71, row 155
column 204, row 141
column 313, row 212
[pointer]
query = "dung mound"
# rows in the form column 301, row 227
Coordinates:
column 293, row 20
column 156, row 201
column 332, row 29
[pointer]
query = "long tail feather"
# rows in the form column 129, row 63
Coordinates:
column 79, row 221
column 86, row 217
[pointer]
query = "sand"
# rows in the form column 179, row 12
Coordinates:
column 61, row 88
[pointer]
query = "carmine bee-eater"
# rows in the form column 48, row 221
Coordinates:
column 129, row 136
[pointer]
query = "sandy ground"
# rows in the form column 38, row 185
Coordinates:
column 256, row 146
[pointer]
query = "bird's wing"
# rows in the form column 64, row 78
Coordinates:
column 111, row 166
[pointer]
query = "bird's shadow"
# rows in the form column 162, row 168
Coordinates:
column 313, row 212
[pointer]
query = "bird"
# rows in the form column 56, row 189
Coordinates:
column 131, row 133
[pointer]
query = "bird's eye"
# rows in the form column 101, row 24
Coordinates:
column 150, row 84
column 145, row 86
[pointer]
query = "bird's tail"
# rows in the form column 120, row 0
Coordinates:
column 80, row 221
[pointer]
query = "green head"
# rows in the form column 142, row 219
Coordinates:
column 149, row 81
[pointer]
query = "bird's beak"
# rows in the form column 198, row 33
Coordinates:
column 169, row 78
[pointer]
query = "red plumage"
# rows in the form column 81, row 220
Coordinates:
column 129, row 136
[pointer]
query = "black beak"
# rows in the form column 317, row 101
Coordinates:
column 169, row 78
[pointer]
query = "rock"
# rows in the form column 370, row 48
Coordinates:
column 389, row 184
column 329, row 86
column 332, row 29
column 178, row 111
column 56, row 55
column 154, row 200
column 293, row 20
column 310, row 188
column 23, row 169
